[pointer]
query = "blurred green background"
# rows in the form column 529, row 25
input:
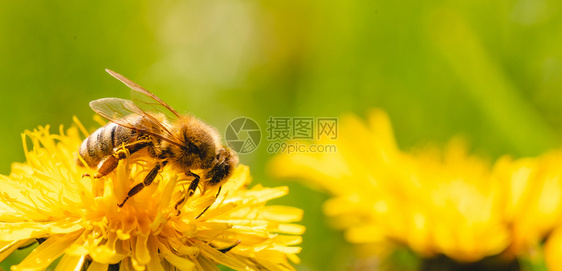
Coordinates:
column 488, row 70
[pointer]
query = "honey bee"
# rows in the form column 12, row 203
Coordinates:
column 148, row 123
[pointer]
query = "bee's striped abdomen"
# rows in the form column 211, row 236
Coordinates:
column 101, row 143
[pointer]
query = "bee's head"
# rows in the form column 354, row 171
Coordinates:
column 223, row 166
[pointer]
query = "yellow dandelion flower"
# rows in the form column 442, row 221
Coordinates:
column 534, row 206
column 553, row 250
column 531, row 198
column 48, row 198
column 436, row 202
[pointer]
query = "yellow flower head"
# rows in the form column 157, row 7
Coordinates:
column 434, row 201
column 48, row 198
column 530, row 190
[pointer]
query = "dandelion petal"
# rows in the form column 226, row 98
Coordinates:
column 46, row 253
column 69, row 262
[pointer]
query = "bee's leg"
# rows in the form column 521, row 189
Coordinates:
column 218, row 192
column 147, row 181
column 216, row 196
column 190, row 191
column 106, row 166
column 109, row 164
column 193, row 185
column 219, row 173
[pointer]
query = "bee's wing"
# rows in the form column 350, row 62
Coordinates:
column 122, row 112
column 145, row 100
